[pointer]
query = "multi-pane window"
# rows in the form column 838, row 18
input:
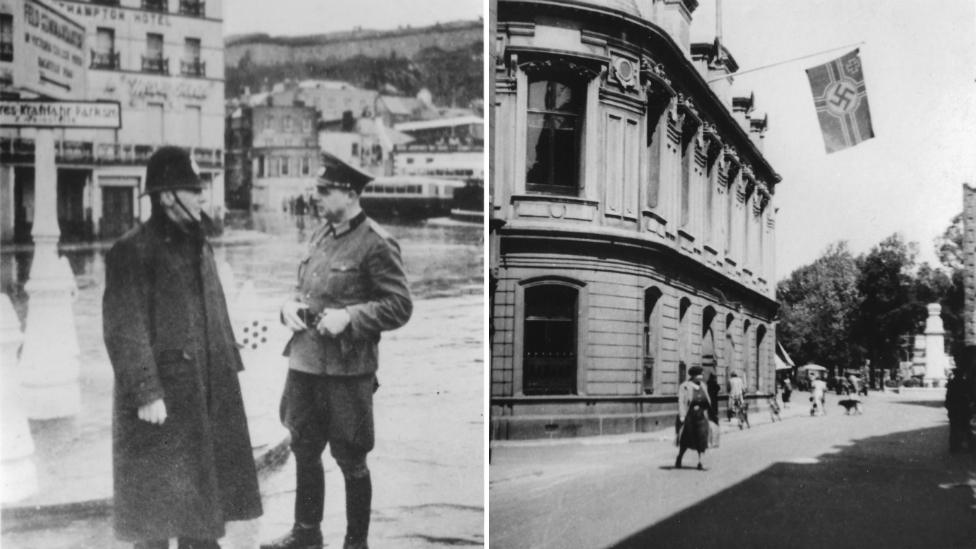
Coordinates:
column 104, row 55
column 155, row 5
column 191, row 64
column 285, row 165
column 6, row 37
column 306, row 165
column 549, row 354
column 195, row 8
column 554, row 121
column 153, row 61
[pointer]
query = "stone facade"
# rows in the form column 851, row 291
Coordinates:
column 632, row 219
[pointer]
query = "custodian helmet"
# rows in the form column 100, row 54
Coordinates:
column 171, row 168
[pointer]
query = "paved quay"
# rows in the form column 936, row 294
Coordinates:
column 427, row 465
column 881, row 479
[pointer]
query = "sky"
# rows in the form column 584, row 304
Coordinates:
column 298, row 17
column 919, row 63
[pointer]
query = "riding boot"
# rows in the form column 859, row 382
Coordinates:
column 359, row 496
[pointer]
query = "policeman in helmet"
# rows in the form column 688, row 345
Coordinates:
column 181, row 449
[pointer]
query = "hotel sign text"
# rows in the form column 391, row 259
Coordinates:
column 60, row 114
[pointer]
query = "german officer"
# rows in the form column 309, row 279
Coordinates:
column 182, row 454
column 351, row 287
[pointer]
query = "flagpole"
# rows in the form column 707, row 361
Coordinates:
column 786, row 61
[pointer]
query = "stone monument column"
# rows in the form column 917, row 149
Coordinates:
column 936, row 360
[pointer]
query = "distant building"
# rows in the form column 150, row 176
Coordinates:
column 633, row 224
column 332, row 98
column 164, row 62
column 283, row 153
column 451, row 148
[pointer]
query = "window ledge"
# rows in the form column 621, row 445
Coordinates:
column 555, row 207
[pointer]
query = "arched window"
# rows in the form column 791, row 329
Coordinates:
column 728, row 354
column 652, row 336
column 684, row 337
column 708, row 359
column 549, row 340
column 746, row 351
column 554, row 124
column 760, row 336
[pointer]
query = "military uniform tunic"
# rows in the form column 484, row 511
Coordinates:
column 358, row 267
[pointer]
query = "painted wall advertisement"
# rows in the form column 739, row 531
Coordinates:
column 49, row 50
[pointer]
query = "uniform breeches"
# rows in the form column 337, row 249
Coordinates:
column 321, row 411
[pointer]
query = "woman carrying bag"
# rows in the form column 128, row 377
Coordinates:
column 692, row 422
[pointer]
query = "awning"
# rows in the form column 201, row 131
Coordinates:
column 780, row 365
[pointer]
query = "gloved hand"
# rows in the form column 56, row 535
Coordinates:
column 154, row 412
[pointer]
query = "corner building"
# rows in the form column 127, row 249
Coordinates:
column 632, row 229
column 163, row 61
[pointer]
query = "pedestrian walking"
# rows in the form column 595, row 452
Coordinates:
column 737, row 400
column 182, row 460
column 351, row 287
column 713, row 390
column 818, row 397
column 693, row 427
column 957, row 403
column 787, row 392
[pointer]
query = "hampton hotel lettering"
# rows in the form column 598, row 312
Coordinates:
column 105, row 13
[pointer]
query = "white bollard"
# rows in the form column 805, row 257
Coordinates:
column 49, row 360
column 18, row 472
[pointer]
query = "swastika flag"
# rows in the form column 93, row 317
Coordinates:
column 842, row 102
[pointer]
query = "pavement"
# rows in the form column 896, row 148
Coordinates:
column 881, row 479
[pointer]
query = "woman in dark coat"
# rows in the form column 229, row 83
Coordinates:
column 693, row 406
column 183, row 464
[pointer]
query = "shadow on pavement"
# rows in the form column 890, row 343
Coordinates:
column 878, row 492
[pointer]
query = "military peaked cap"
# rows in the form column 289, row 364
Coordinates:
column 337, row 174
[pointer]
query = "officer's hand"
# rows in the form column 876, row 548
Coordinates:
column 289, row 315
column 154, row 412
column 333, row 321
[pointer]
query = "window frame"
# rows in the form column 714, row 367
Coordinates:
column 582, row 298
column 578, row 87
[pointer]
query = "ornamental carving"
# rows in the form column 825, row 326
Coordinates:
column 582, row 71
column 624, row 73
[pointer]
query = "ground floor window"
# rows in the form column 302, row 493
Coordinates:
column 549, row 343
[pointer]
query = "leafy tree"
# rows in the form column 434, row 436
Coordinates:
column 817, row 304
column 889, row 306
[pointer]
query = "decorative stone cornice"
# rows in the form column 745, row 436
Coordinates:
column 626, row 30
column 744, row 103
column 759, row 124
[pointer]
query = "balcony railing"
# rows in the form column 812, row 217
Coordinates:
column 155, row 5
column 19, row 149
column 159, row 65
column 194, row 67
column 6, row 51
column 105, row 60
column 195, row 8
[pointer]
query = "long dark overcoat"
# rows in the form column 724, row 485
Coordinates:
column 169, row 336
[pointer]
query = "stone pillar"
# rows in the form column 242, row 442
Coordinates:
column 49, row 361
column 18, row 473
column 936, row 360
